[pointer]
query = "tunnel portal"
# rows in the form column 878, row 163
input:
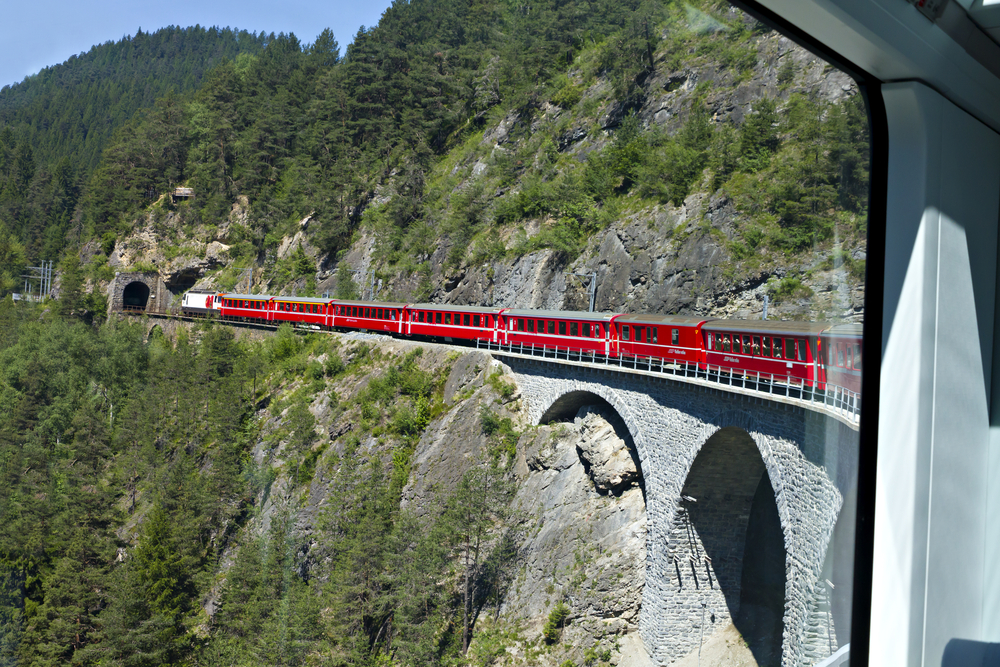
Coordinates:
column 135, row 296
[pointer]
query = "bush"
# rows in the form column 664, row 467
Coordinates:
column 555, row 623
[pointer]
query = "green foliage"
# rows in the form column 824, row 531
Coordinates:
column 555, row 623
column 788, row 288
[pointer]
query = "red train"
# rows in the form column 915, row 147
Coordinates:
column 807, row 354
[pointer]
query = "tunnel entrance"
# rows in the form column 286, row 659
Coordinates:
column 135, row 296
column 728, row 548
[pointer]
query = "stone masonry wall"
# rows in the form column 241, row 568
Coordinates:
column 159, row 295
column 810, row 458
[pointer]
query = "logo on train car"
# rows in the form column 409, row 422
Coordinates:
column 674, row 350
column 733, row 360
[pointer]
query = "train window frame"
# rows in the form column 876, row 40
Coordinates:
column 574, row 329
column 800, row 350
column 626, row 333
column 562, row 327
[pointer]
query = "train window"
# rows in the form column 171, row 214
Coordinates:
column 475, row 320
column 857, row 357
column 447, row 318
column 765, row 346
column 776, row 349
column 519, row 326
column 437, row 318
column 747, row 349
column 756, row 345
column 626, row 334
column 551, row 327
column 840, row 356
column 562, row 328
column 574, row 329
column 531, row 326
column 789, row 348
column 465, row 320
column 725, row 344
column 801, row 349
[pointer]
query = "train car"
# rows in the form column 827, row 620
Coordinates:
column 778, row 350
column 671, row 337
column 244, row 307
column 840, row 350
column 575, row 331
column 368, row 316
column 452, row 322
column 301, row 310
column 199, row 303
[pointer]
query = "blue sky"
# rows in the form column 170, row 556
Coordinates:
column 37, row 33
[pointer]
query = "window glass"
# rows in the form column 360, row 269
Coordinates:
column 447, row 318
column 802, row 350
column 857, row 357
column 765, row 349
column 573, row 329
column 725, row 343
column 756, row 345
column 465, row 320
column 625, row 332
column 437, row 318
column 520, row 324
column 531, row 326
column 551, row 327
column 475, row 320
column 562, row 328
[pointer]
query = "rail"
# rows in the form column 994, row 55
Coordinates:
column 839, row 401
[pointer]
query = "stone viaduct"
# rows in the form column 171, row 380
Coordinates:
column 743, row 496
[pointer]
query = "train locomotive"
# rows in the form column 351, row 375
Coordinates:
column 810, row 354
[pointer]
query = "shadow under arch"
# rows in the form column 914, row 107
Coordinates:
column 566, row 408
column 728, row 544
column 135, row 295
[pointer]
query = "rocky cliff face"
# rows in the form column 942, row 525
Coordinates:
column 578, row 510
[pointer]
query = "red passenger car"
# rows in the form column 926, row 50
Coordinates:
column 841, row 351
column 300, row 310
column 244, row 307
column 368, row 315
column 779, row 349
column 451, row 322
column 577, row 331
column 671, row 337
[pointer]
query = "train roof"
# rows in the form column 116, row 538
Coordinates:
column 451, row 307
column 676, row 320
column 370, row 304
column 302, row 299
column 255, row 297
column 845, row 330
column 777, row 328
column 561, row 314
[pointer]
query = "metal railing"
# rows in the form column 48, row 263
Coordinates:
column 838, row 400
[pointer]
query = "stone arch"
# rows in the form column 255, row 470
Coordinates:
column 566, row 404
column 809, row 464
column 726, row 545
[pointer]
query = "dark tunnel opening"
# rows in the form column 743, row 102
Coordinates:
column 135, row 296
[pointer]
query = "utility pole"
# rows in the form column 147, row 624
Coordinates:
column 591, row 287
column 43, row 274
